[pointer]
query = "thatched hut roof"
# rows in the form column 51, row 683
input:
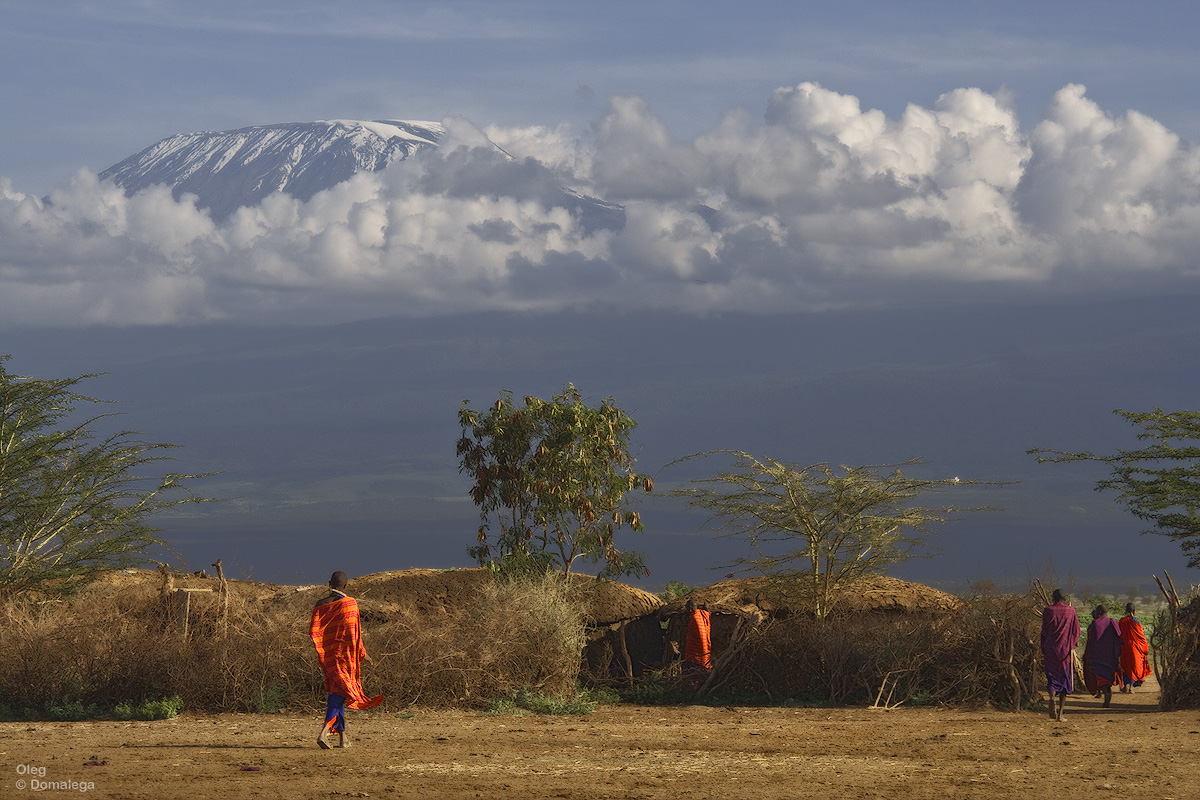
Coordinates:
column 433, row 590
column 767, row 596
column 383, row 594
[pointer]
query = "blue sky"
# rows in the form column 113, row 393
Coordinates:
column 941, row 230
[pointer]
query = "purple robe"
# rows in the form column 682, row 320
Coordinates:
column 1060, row 632
column 1102, row 654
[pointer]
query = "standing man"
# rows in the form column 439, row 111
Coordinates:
column 338, row 638
column 1060, row 632
column 697, row 643
column 1102, row 655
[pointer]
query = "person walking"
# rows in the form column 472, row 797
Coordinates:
column 1102, row 655
column 337, row 635
column 1060, row 633
column 1135, row 664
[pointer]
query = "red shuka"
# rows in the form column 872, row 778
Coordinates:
column 336, row 634
column 698, row 642
column 1134, row 664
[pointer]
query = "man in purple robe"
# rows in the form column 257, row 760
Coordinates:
column 1102, row 655
column 1060, row 633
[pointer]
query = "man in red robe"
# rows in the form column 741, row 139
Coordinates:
column 1135, row 666
column 337, row 636
column 697, row 644
column 1060, row 633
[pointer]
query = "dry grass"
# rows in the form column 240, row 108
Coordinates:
column 96, row 651
column 242, row 655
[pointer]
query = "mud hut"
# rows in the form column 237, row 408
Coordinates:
column 740, row 605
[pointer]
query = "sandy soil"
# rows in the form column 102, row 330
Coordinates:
column 1129, row 750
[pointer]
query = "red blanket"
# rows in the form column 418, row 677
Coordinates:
column 338, row 639
column 1134, row 650
column 698, row 642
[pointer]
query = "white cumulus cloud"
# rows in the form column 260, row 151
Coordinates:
column 817, row 202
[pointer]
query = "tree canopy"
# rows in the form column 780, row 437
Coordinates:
column 72, row 504
column 1158, row 482
column 820, row 526
column 552, row 476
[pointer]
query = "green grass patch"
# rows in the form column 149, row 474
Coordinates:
column 524, row 701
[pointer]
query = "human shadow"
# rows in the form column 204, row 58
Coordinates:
column 1143, row 700
column 203, row 746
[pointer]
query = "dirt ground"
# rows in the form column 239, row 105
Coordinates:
column 1129, row 750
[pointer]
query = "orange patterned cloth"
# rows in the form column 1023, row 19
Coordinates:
column 698, row 642
column 338, row 638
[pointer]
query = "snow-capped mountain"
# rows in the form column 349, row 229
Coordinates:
column 230, row 169
column 227, row 170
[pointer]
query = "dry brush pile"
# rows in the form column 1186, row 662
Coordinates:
column 1176, row 645
column 462, row 638
column 251, row 652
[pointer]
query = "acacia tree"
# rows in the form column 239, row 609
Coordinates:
column 1159, row 482
column 72, row 505
column 552, row 475
column 820, row 527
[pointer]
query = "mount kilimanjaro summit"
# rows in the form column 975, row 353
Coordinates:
column 227, row 170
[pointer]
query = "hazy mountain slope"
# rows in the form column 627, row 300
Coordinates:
column 227, row 170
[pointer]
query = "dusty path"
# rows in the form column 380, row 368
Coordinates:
column 1130, row 750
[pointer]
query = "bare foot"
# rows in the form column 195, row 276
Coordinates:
column 323, row 738
column 343, row 740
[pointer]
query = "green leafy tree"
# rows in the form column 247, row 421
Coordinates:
column 820, row 527
column 1158, row 482
column 551, row 476
column 71, row 505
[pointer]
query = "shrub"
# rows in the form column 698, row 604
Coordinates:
column 71, row 710
column 518, row 632
column 674, row 590
column 165, row 708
